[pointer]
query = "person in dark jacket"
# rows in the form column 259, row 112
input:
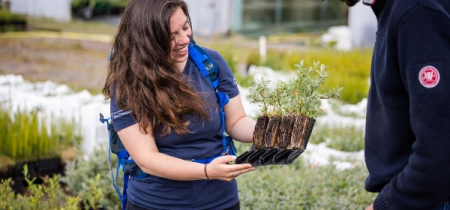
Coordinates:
column 407, row 142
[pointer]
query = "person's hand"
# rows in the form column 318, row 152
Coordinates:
column 370, row 207
column 221, row 170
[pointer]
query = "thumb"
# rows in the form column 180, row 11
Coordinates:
column 225, row 159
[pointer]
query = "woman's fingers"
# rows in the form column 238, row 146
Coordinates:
column 233, row 174
column 225, row 159
column 220, row 169
column 242, row 171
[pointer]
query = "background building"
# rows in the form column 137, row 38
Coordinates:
column 268, row 16
column 54, row 9
column 245, row 17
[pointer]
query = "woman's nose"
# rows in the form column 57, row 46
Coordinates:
column 183, row 39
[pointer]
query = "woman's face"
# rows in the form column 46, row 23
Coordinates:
column 181, row 31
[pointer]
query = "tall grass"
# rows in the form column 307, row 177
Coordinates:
column 28, row 134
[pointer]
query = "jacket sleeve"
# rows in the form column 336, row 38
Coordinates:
column 423, row 42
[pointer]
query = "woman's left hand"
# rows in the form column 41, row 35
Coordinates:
column 221, row 170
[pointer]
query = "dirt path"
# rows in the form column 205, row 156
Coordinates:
column 81, row 64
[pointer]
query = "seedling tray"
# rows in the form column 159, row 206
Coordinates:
column 261, row 154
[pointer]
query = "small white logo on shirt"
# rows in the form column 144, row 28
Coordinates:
column 119, row 114
column 429, row 76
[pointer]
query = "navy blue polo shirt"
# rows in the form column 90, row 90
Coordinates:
column 407, row 144
column 203, row 141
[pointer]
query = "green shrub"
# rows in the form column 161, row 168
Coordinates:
column 6, row 194
column 48, row 195
column 7, row 17
column 12, row 22
column 80, row 174
column 350, row 70
column 253, row 58
column 347, row 138
column 299, row 96
column 230, row 57
column 273, row 59
column 302, row 186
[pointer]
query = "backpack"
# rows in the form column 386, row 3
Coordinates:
column 210, row 71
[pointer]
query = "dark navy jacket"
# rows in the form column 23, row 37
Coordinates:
column 408, row 115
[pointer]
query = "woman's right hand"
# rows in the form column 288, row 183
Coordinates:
column 221, row 170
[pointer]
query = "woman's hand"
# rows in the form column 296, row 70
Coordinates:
column 221, row 170
column 370, row 207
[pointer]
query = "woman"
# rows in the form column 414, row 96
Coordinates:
column 166, row 112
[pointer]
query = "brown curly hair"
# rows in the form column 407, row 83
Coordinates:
column 141, row 74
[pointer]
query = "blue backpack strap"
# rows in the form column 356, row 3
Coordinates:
column 121, row 155
column 110, row 54
column 124, row 161
column 210, row 71
column 205, row 64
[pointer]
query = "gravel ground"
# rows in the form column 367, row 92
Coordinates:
column 80, row 64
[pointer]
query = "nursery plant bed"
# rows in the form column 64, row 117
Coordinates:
column 36, row 168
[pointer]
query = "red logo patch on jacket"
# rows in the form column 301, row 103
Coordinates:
column 429, row 76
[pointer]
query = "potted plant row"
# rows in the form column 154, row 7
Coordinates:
column 288, row 112
column 28, row 138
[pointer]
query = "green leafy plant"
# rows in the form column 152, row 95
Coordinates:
column 342, row 138
column 48, row 195
column 83, row 176
column 288, row 112
column 299, row 96
column 6, row 194
column 305, row 186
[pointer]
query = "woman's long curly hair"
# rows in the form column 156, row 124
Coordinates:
column 141, row 74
